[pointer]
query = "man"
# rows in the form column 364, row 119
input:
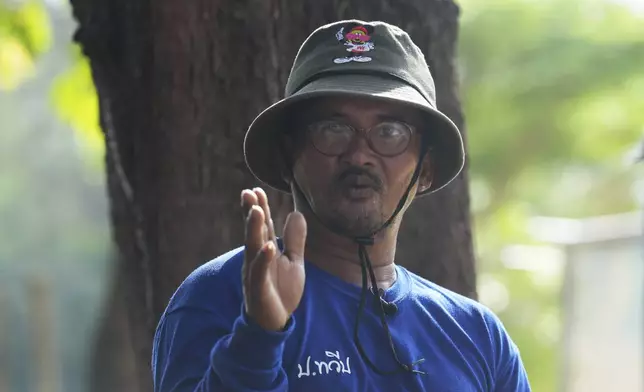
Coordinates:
column 357, row 137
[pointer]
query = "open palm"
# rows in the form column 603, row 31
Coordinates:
column 273, row 281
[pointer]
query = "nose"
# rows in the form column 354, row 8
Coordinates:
column 359, row 153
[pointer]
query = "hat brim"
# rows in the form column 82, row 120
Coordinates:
column 262, row 138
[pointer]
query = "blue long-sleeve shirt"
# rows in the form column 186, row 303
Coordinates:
column 205, row 342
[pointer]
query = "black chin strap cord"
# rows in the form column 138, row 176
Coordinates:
column 365, row 264
column 368, row 274
column 367, row 268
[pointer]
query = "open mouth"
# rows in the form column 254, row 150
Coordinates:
column 358, row 186
column 359, row 181
column 359, row 191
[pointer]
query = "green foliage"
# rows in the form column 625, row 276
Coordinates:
column 74, row 97
column 53, row 224
column 24, row 34
column 552, row 93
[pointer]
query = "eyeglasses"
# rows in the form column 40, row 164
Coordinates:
column 388, row 138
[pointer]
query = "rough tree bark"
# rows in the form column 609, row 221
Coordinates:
column 178, row 84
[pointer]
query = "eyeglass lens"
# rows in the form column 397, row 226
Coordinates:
column 387, row 138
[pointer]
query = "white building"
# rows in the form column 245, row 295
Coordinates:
column 603, row 300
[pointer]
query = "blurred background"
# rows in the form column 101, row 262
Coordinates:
column 553, row 94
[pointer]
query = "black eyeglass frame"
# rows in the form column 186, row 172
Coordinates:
column 361, row 132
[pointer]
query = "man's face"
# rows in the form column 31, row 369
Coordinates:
column 354, row 189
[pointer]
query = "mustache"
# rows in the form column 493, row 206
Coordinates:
column 354, row 171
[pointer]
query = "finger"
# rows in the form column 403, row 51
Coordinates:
column 254, row 235
column 261, row 263
column 295, row 236
column 262, row 201
column 248, row 199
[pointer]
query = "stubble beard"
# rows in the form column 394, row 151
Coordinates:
column 357, row 221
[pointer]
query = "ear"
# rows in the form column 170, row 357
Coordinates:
column 426, row 174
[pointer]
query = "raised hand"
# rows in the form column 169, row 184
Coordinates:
column 273, row 281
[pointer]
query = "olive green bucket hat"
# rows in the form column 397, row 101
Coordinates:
column 364, row 60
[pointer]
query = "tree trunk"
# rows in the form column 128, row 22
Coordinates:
column 178, row 84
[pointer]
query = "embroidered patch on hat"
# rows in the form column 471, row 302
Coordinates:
column 357, row 39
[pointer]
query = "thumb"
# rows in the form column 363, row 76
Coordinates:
column 295, row 236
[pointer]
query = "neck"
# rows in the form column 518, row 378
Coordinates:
column 338, row 255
